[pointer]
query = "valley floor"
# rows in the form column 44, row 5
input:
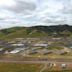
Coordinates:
column 28, row 64
column 33, row 67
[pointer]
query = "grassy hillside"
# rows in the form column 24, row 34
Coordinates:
column 36, row 31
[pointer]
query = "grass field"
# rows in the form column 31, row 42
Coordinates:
column 14, row 67
column 19, row 67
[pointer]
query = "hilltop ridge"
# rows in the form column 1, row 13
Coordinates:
column 35, row 31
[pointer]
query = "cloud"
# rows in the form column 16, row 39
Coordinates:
column 35, row 12
column 22, row 7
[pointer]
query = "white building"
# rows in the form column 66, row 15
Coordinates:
column 45, row 45
column 18, row 44
column 16, row 50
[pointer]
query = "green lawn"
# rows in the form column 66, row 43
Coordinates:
column 14, row 67
column 55, row 48
column 19, row 67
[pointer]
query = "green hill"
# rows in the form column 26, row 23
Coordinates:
column 35, row 31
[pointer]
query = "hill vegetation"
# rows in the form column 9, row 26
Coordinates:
column 36, row 31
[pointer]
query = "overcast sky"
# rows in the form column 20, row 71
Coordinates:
column 35, row 12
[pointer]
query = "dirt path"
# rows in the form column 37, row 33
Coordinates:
column 43, row 68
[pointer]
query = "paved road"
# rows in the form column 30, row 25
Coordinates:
column 36, row 62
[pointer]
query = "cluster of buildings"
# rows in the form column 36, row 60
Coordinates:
column 34, row 45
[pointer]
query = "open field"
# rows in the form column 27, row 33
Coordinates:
column 34, row 57
column 14, row 67
column 19, row 67
column 28, row 64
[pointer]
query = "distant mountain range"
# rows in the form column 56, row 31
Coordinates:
column 35, row 31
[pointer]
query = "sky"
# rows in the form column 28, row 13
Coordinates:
column 35, row 12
